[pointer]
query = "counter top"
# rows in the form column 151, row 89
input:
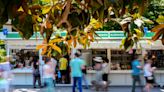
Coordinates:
column 22, row 70
column 123, row 71
column 29, row 70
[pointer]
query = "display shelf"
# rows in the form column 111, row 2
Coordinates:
column 120, row 59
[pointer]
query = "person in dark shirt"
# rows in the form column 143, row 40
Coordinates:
column 36, row 72
column 84, row 71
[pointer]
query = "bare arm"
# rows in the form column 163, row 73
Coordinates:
column 151, row 69
column 140, row 67
column 83, row 67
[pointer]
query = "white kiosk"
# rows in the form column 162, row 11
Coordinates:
column 110, row 40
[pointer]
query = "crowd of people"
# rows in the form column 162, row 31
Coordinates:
column 148, row 73
column 102, row 67
column 79, row 71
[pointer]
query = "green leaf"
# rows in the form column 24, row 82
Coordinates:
column 160, row 19
column 46, row 9
column 74, row 32
column 39, row 19
column 46, row 1
column 54, row 53
column 148, row 21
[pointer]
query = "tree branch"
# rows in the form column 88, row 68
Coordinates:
column 65, row 14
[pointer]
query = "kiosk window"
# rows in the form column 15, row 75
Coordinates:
column 120, row 60
column 157, row 57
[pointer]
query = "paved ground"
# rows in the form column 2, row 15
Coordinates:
column 68, row 89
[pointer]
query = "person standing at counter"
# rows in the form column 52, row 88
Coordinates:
column 36, row 72
column 85, row 77
column 136, row 68
column 48, row 73
column 77, row 64
column 54, row 63
column 63, row 62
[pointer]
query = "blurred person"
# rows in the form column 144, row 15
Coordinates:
column 148, row 74
column 5, row 74
column 68, row 79
column 154, row 64
column 98, row 83
column 27, row 62
column 54, row 63
column 63, row 63
column 77, row 64
column 2, row 80
column 36, row 72
column 84, row 71
column 136, row 72
column 105, row 69
column 48, row 75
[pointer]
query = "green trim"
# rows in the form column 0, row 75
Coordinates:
column 102, row 35
column 63, row 34
column 13, row 35
column 115, row 35
column 149, row 35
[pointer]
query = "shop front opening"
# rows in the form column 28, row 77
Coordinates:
column 23, row 58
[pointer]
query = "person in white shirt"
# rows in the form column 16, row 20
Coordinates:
column 5, row 75
column 148, row 74
column 54, row 63
column 48, row 75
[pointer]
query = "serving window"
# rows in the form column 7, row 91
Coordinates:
column 157, row 57
column 89, row 54
column 23, row 57
column 120, row 60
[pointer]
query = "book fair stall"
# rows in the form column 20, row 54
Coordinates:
column 106, row 46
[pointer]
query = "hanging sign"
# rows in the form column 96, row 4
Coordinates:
column 146, row 30
column 5, row 32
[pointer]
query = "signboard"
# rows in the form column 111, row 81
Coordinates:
column 101, row 35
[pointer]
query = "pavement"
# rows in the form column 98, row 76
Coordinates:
column 69, row 89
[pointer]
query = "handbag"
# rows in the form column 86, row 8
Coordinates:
column 36, row 72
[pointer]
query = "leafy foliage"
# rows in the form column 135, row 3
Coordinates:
column 79, row 18
column 2, row 52
column 155, row 8
column 159, row 29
